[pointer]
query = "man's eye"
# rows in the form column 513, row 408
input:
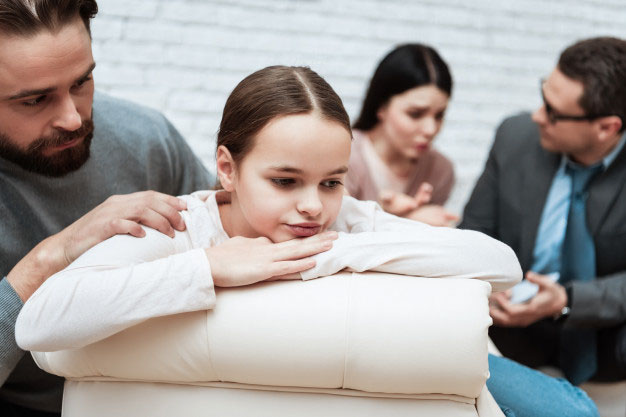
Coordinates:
column 34, row 102
column 283, row 182
column 331, row 183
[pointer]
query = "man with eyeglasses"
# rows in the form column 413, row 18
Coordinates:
column 554, row 190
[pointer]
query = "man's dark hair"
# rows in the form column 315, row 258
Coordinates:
column 28, row 17
column 600, row 65
column 404, row 68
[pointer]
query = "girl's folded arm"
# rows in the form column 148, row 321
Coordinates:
column 375, row 240
column 115, row 285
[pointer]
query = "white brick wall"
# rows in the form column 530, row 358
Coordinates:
column 183, row 57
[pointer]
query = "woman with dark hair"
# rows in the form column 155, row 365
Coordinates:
column 392, row 160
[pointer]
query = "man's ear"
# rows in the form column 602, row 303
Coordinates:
column 608, row 127
column 226, row 168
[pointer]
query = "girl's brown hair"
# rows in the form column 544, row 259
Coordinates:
column 272, row 92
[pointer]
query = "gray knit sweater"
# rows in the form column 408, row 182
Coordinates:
column 133, row 149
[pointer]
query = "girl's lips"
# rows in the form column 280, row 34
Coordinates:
column 304, row 230
column 422, row 146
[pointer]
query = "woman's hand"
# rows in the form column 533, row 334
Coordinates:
column 433, row 215
column 417, row 208
column 400, row 204
column 243, row 261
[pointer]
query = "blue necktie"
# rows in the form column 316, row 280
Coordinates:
column 578, row 350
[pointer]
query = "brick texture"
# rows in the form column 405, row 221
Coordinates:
column 184, row 57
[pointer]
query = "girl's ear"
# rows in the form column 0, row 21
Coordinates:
column 226, row 168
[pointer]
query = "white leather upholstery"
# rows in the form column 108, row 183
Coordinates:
column 370, row 334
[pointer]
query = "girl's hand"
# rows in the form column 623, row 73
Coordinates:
column 243, row 261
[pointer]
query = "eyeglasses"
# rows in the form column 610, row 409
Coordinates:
column 554, row 116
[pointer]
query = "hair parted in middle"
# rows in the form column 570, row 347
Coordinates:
column 405, row 67
column 273, row 92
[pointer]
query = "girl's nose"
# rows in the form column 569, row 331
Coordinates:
column 310, row 203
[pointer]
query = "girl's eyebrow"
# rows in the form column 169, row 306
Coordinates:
column 341, row 170
column 286, row 168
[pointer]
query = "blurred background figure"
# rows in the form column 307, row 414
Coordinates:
column 393, row 160
column 184, row 57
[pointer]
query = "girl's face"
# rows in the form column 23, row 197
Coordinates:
column 290, row 184
column 411, row 120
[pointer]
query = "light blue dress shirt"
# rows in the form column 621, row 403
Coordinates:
column 551, row 233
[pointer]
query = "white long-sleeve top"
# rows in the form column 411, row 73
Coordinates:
column 125, row 280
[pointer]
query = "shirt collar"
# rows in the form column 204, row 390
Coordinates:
column 605, row 162
column 608, row 160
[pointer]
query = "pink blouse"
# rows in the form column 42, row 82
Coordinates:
column 432, row 167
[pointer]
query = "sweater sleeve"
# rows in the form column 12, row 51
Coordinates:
column 371, row 239
column 10, row 353
column 188, row 172
column 115, row 285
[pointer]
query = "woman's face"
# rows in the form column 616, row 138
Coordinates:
column 411, row 120
column 290, row 184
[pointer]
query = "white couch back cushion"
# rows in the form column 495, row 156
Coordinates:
column 369, row 331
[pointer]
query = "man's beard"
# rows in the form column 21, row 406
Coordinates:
column 58, row 164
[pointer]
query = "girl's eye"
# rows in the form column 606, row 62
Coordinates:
column 34, row 102
column 283, row 182
column 439, row 116
column 331, row 183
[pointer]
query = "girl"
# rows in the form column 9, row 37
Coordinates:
column 282, row 157
column 392, row 159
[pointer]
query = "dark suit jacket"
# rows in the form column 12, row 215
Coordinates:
column 507, row 204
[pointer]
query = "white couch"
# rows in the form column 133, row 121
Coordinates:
column 350, row 344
